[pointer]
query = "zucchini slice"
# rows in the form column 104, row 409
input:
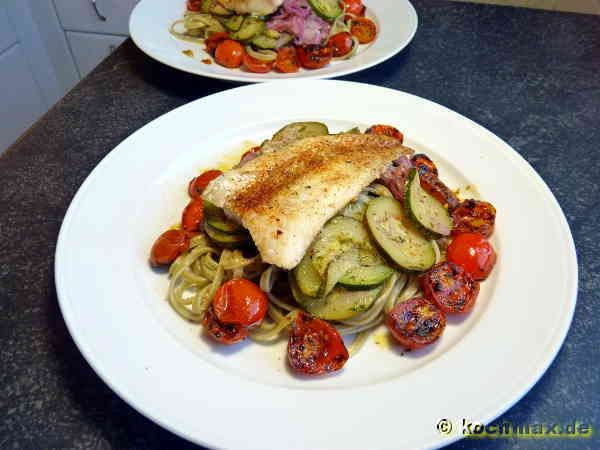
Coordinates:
column 251, row 27
column 397, row 235
column 216, row 218
column 294, row 132
column 339, row 235
column 233, row 23
column 308, row 279
column 327, row 9
column 366, row 277
column 340, row 304
column 338, row 268
column 300, row 130
column 264, row 42
column 425, row 210
column 226, row 239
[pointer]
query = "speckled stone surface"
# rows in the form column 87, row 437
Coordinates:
column 531, row 77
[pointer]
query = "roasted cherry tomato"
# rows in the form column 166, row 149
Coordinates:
column 250, row 154
column 221, row 332
column 199, row 183
column 424, row 165
column 194, row 5
column 256, row 65
column 474, row 253
column 355, row 7
column 436, row 187
column 214, row 40
column 169, row 246
column 193, row 214
column 474, row 216
column 314, row 56
column 240, row 302
column 363, row 29
column 287, row 61
column 230, row 53
column 386, row 130
column 341, row 44
column 416, row 323
column 315, row 347
column 450, row 287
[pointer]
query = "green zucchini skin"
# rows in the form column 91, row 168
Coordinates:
column 308, row 279
column 264, row 42
column 252, row 26
column 327, row 9
column 339, row 304
column 234, row 23
column 425, row 211
column 226, row 239
column 366, row 277
column 215, row 217
column 397, row 236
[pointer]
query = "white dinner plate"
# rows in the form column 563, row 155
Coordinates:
column 150, row 21
column 244, row 397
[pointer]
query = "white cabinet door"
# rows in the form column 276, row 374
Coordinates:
column 7, row 34
column 90, row 49
column 20, row 98
column 81, row 15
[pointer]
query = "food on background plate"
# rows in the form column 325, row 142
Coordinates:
column 265, row 35
column 322, row 235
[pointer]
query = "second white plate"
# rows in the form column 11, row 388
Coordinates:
column 149, row 28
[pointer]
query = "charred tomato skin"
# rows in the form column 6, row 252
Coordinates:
column 450, row 287
column 227, row 334
column 424, row 164
column 315, row 347
column 474, row 216
column 416, row 323
column 386, row 130
column 314, row 56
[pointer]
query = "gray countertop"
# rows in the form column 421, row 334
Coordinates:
column 532, row 77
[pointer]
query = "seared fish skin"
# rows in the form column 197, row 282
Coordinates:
column 285, row 197
column 261, row 7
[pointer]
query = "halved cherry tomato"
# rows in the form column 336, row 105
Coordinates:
column 416, row 323
column 224, row 333
column 315, row 347
column 230, row 53
column 424, row 165
column 436, row 187
column 450, row 287
column 363, row 29
column 192, row 215
column 169, row 246
column 355, row 7
column 240, row 302
column 314, row 56
column 199, row 183
column 287, row 61
column 214, row 40
column 194, row 5
column 256, row 65
column 250, row 154
column 386, row 130
column 341, row 43
column 474, row 253
column 474, row 216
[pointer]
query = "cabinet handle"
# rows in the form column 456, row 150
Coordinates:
column 100, row 16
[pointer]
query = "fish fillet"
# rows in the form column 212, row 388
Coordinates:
column 261, row 7
column 285, row 197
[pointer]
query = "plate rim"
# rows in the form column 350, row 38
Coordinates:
column 538, row 371
column 253, row 79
